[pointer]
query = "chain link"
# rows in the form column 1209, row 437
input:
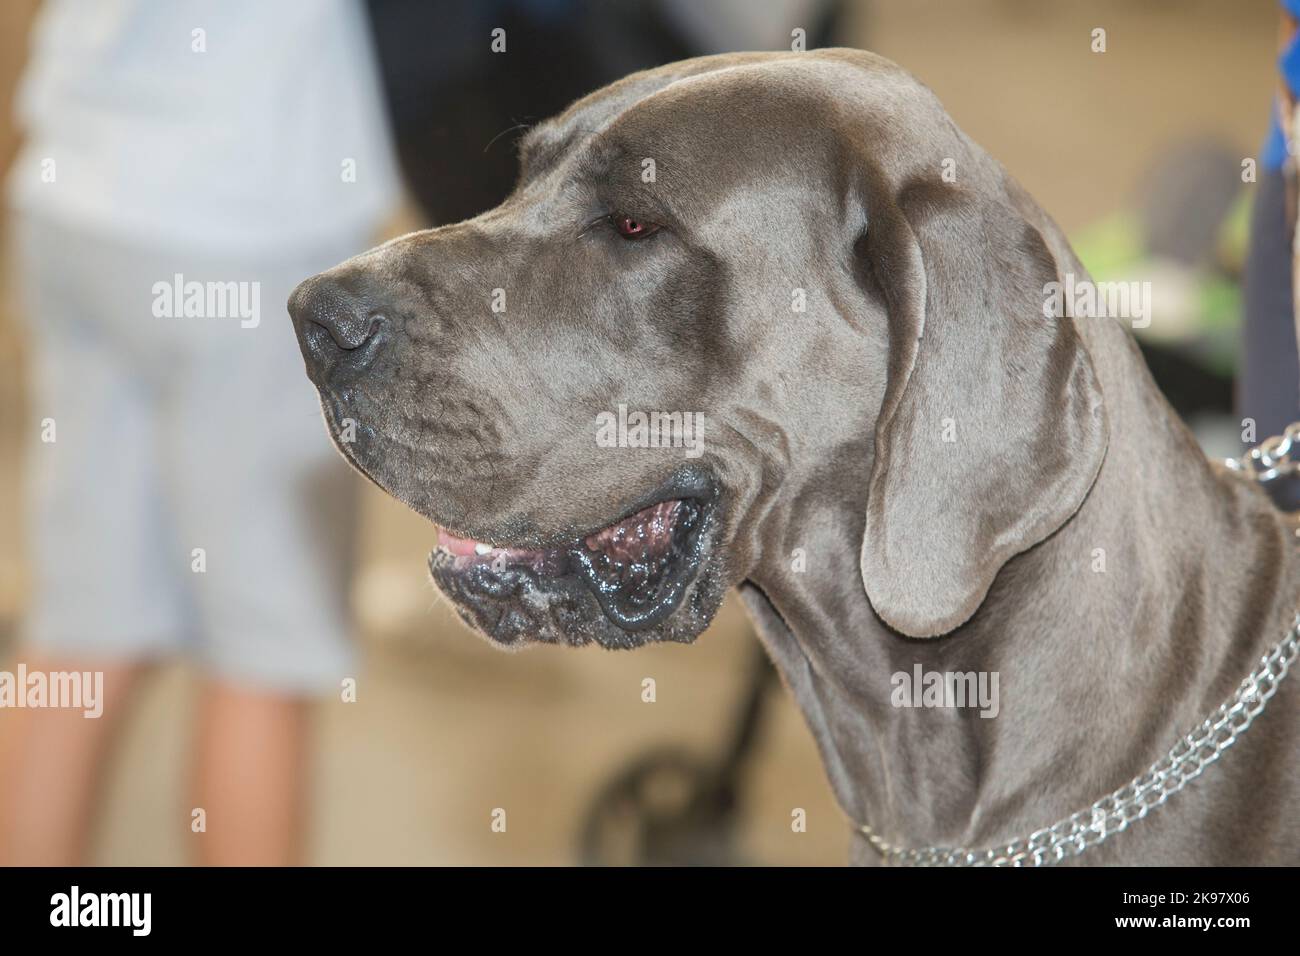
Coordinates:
column 1271, row 458
column 1115, row 812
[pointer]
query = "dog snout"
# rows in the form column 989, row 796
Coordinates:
column 340, row 330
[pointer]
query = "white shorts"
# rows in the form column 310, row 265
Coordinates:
column 189, row 502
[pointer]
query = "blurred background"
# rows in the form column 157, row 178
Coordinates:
column 1136, row 152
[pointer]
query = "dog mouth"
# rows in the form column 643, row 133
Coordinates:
column 618, row 585
column 638, row 568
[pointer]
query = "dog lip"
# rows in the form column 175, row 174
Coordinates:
column 689, row 492
column 605, row 537
column 461, row 546
column 644, row 588
column 637, row 568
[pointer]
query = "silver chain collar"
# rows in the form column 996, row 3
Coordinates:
column 1271, row 458
column 1114, row 813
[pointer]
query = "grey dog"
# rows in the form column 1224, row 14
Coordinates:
column 905, row 458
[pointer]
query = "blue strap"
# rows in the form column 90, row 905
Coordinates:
column 1273, row 155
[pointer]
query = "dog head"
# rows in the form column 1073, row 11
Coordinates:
column 711, row 280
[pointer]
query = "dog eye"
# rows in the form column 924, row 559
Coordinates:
column 630, row 228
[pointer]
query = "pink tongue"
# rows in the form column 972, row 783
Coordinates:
column 457, row 546
column 648, row 533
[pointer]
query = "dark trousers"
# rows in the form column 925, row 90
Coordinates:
column 1269, row 384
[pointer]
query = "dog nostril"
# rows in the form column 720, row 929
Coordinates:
column 348, row 332
column 337, row 331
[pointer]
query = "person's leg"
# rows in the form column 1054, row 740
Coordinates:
column 103, row 568
column 254, row 482
column 249, row 776
column 50, row 765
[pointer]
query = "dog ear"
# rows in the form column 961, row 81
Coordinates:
column 992, row 429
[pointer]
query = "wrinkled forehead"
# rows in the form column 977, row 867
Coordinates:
column 720, row 121
column 594, row 114
column 676, row 151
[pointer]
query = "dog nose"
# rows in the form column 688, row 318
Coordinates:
column 339, row 332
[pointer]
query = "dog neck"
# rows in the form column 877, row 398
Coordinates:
column 1109, row 641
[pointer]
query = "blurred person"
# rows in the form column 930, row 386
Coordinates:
column 185, row 165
